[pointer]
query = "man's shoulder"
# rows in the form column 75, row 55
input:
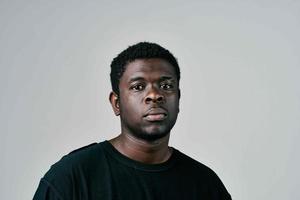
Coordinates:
column 202, row 175
column 84, row 148
column 79, row 159
column 194, row 166
column 73, row 169
column 191, row 162
column 82, row 154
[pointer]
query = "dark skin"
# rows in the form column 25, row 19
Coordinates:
column 148, row 105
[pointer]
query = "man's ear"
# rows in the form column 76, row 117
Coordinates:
column 179, row 95
column 115, row 103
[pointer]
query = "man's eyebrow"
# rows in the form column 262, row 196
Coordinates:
column 167, row 78
column 162, row 78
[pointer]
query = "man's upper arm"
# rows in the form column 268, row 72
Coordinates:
column 46, row 191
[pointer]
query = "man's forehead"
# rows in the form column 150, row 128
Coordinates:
column 144, row 67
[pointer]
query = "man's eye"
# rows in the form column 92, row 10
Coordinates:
column 138, row 87
column 166, row 86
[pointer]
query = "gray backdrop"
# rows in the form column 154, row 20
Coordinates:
column 240, row 106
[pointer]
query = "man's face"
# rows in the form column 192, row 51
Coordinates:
column 149, row 98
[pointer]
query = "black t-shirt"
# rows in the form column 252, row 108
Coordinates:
column 100, row 172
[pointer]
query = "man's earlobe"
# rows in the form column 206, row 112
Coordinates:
column 115, row 103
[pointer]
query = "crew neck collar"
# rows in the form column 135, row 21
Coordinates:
column 139, row 165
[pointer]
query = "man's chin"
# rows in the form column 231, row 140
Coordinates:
column 152, row 136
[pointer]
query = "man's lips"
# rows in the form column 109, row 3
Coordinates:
column 155, row 117
column 155, row 114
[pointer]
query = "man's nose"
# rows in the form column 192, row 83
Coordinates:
column 154, row 95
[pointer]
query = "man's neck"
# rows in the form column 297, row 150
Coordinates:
column 153, row 152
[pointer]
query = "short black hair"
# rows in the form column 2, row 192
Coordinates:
column 139, row 51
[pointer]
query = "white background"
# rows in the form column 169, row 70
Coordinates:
column 240, row 105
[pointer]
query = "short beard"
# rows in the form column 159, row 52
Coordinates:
column 149, row 137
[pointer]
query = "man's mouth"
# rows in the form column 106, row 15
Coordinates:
column 155, row 117
column 156, row 114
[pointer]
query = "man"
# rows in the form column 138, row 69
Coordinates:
column 138, row 164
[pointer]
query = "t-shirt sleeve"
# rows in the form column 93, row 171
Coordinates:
column 64, row 176
column 57, row 183
column 220, row 192
column 46, row 191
